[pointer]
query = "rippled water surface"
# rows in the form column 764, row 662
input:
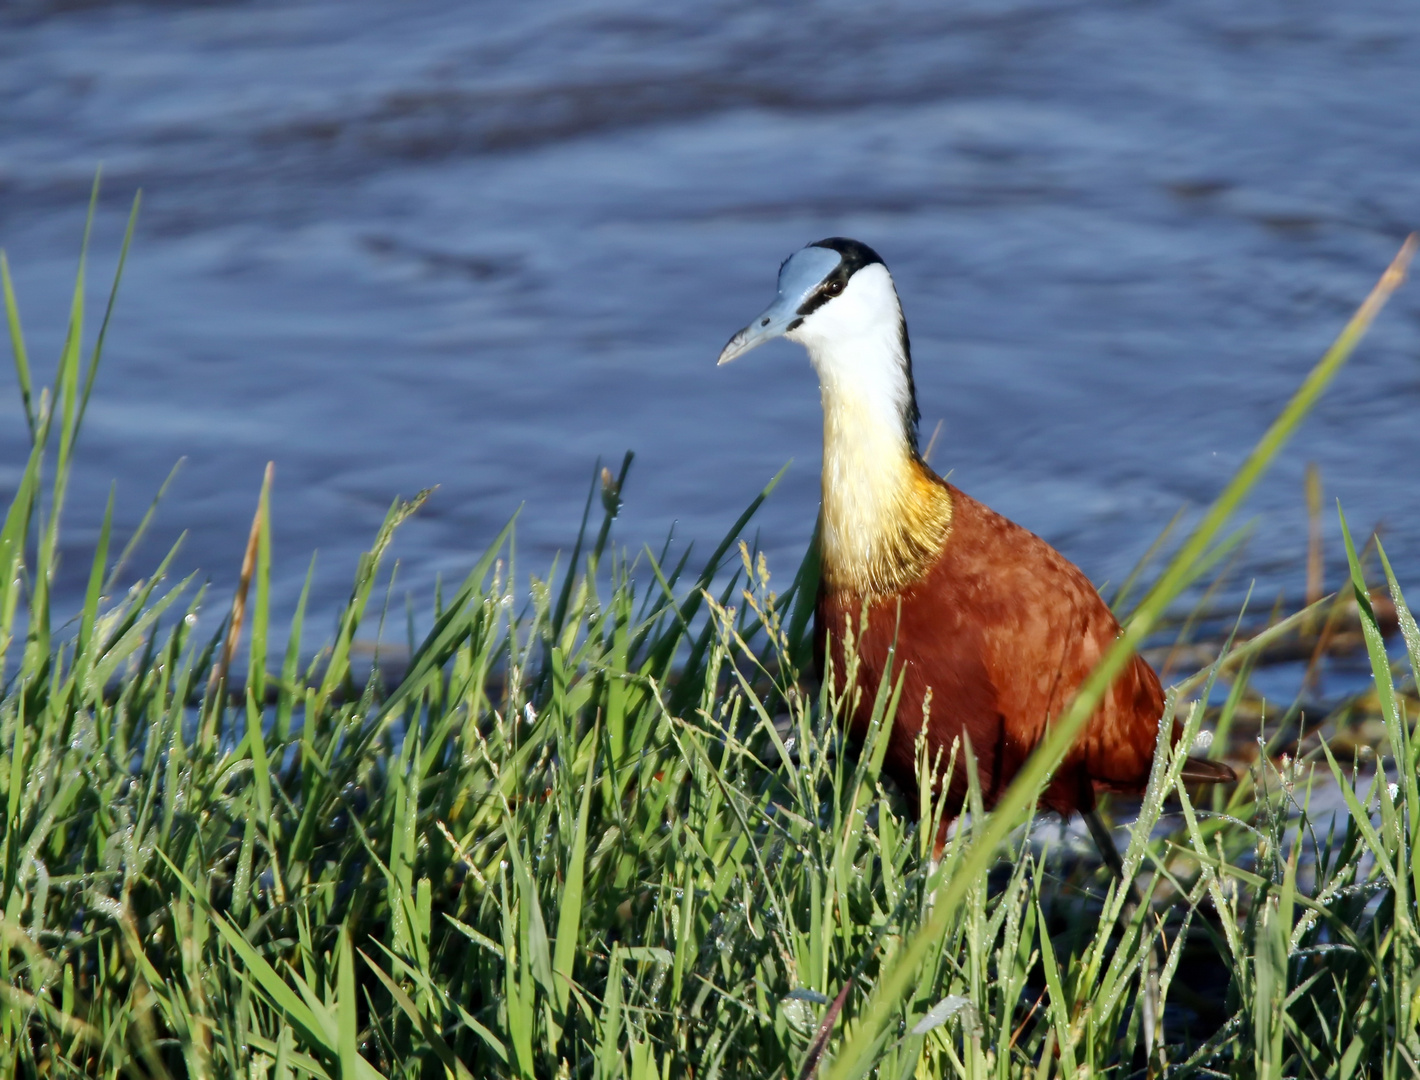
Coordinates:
column 481, row 245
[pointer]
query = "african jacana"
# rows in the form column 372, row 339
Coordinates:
column 999, row 625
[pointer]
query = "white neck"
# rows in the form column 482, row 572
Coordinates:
column 855, row 343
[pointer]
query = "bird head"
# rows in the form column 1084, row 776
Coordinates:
column 837, row 299
column 834, row 291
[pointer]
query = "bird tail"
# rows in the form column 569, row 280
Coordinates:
column 1203, row 771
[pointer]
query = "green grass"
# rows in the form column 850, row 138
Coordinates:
column 563, row 844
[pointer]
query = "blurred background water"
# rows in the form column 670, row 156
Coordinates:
column 482, row 245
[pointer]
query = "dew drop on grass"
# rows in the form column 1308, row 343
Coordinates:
column 799, row 1014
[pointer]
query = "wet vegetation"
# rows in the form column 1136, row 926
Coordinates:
column 600, row 825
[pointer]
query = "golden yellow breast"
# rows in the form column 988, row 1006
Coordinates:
column 885, row 536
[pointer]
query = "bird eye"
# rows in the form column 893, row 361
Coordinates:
column 833, row 288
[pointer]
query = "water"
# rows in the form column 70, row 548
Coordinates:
column 481, row 246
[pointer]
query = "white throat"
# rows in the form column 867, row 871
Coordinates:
column 855, row 343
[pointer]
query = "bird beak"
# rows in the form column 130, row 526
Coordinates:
column 802, row 273
column 774, row 322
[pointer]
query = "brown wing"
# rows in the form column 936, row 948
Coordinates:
column 1045, row 628
column 1003, row 629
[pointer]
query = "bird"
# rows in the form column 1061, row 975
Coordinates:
column 989, row 629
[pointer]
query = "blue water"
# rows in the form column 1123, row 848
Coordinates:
column 482, row 245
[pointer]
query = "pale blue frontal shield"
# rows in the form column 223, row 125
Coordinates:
column 800, row 275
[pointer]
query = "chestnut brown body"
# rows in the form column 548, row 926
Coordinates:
column 1003, row 629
